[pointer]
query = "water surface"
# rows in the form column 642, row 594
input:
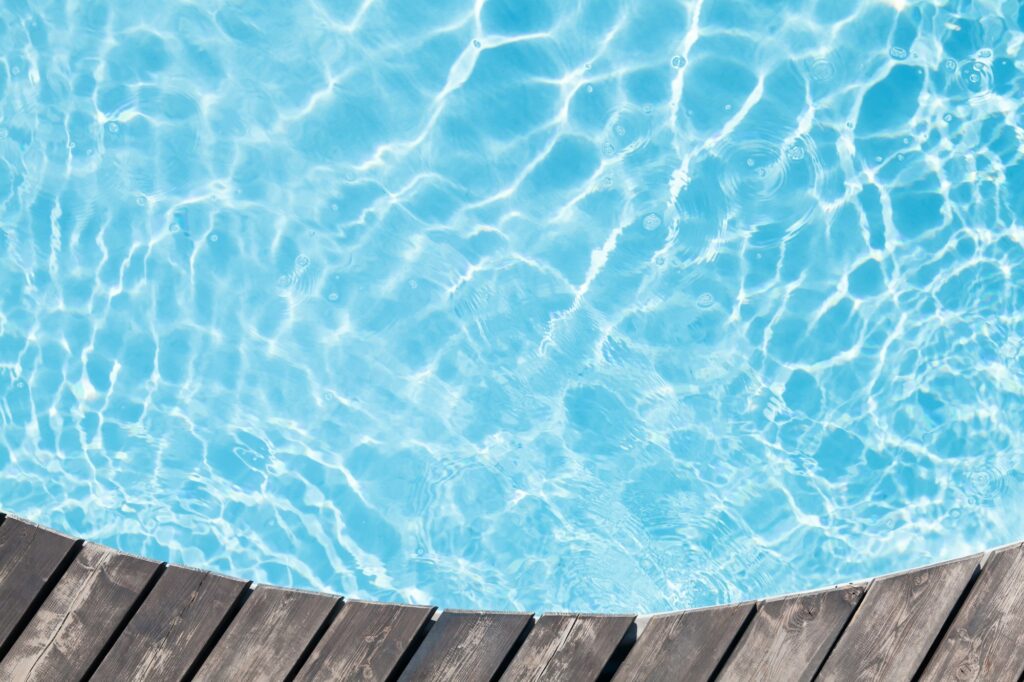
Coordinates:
column 599, row 305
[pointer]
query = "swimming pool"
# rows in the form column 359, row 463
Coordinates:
column 602, row 305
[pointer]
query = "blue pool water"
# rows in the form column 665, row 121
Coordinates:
column 600, row 305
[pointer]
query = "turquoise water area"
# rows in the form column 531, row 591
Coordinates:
column 601, row 305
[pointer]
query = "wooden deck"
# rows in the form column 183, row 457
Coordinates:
column 73, row 610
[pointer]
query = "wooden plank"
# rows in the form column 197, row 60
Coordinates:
column 694, row 641
column 466, row 646
column 789, row 637
column 897, row 622
column 367, row 641
column 30, row 559
column 73, row 626
column 173, row 626
column 268, row 637
column 568, row 647
column 986, row 639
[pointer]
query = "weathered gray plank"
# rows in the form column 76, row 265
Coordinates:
column 367, row 641
column 172, row 627
column 789, row 637
column 78, row 618
column 466, row 646
column 568, row 647
column 268, row 636
column 692, row 641
column 986, row 639
column 897, row 622
column 30, row 557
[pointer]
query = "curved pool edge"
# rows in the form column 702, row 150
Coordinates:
column 78, row 609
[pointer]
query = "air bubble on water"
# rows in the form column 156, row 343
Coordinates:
column 822, row 70
column 899, row 157
column 608, row 181
column 590, row 88
column 977, row 77
column 795, row 153
column 898, row 53
column 608, row 149
column 476, row 43
column 947, row 118
column 112, row 127
column 660, row 260
column 878, row 159
column 728, row 107
column 413, row 284
column 984, row 53
column 678, row 62
column 302, row 261
column 750, row 163
column 140, row 200
column 705, row 300
column 906, row 140
column 333, row 296
column 214, row 237
column 620, row 131
column 652, row 221
column 950, row 64
column 71, row 145
column 283, row 281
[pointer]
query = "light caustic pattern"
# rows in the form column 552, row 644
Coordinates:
column 596, row 305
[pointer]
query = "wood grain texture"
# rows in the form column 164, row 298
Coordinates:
column 986, row 639
column 896, row 624
column 692, row 641
column 789, row 637
column 30, row 558
column 467, row 646
column 78, row 618
column 366, row 641
column 172, row 627
column 568, row 648
column 268, row 636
